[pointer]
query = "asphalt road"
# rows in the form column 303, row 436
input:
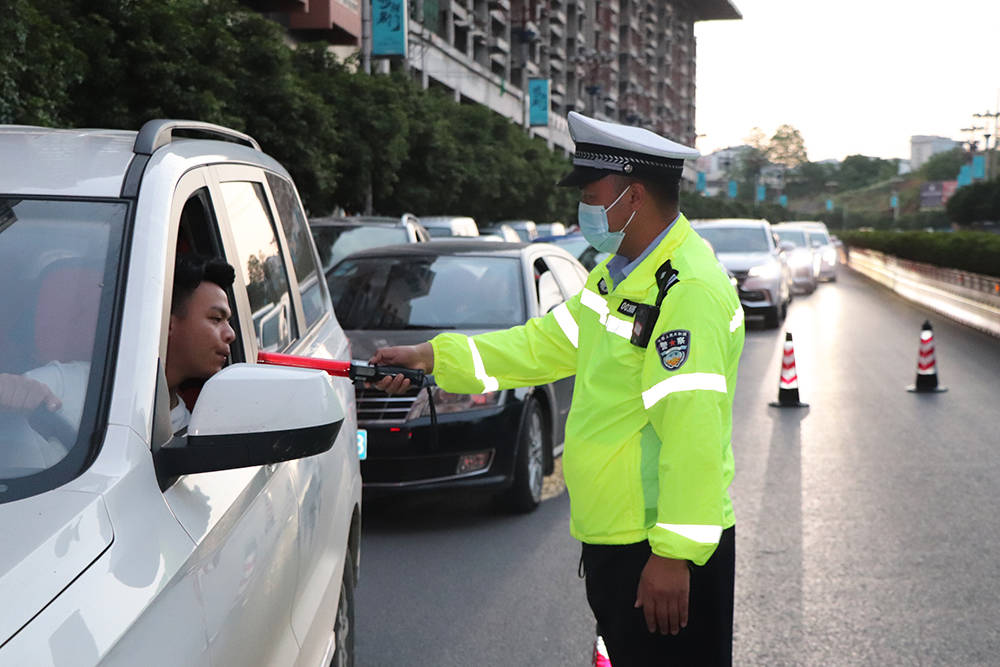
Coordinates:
column 866, row 524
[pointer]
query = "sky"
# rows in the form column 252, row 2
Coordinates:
column 854, row 76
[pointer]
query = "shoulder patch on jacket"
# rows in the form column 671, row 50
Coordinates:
column 602, row 286
column 673, row 348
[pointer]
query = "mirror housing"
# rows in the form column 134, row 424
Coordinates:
column 251, row 415
column 786, row 246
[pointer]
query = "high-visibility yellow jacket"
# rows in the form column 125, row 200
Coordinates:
column 648, row 454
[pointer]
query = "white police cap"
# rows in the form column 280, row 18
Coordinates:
column 604, row 148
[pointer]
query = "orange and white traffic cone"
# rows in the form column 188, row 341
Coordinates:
column 927, row 379
column 788, row 384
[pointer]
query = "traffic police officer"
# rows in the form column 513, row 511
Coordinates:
column 654, row 340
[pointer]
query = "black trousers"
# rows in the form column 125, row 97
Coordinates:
column 613, row 572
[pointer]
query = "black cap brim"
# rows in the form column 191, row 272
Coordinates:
column 581, row 176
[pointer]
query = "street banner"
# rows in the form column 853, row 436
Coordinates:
column 894, row 202
column 930, row 195
column 702, row 182
column 783, row 200
column 761, row 192
column 538, row 102
column 947, row 190
column 734, row 189
column 965, row 175
column 978, row 167
column 829, row 204
column 389, row 26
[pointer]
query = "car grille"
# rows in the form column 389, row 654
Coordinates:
column 376, row 407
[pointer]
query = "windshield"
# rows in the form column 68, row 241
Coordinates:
column 427, row 292
column 336, row 243
column 735, row 239
column 795, row 236
column 818, row 237
column 58, row 260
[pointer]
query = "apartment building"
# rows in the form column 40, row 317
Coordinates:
column 629, row 61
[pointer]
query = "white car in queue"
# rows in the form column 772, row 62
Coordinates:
column 749, row 250
column 123, row 542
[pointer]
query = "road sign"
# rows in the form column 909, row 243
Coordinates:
column 829, row 204
column 734, row 189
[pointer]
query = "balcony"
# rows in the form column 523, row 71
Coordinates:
column 341, row 19
column 500, row 5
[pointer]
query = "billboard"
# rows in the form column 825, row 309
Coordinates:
column 930, row 195
column 389, row 25
column 538, row 102
column 948, row 188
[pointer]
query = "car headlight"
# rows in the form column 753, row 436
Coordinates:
column 830, row 254
column 446, row 403
column 800, row 259
column 769, row 270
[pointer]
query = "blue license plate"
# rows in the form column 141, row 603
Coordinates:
column 362, row 444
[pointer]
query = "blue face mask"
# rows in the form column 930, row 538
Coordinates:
column 594, row 226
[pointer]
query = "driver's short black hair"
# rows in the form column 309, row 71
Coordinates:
column 192, row 270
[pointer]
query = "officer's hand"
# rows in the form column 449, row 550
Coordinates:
column 22, row 393
column 663, row 594
column 420, row 357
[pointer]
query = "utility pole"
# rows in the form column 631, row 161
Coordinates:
column 989, row 157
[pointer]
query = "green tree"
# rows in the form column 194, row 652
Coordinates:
column 859, row 171
column 787, row 147
column 943, row 166
column 978, row 202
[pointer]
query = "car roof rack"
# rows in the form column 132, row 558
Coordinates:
column 157, row 133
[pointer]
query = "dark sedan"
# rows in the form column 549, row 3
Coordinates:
column 501, row 441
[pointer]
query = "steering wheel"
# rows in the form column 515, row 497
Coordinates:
column 50, row 424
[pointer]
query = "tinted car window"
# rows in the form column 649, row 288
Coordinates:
column 260, row 265
column 735, row 239
column 58, row 261
column 336, row 243
column 796, row 236
column 293, row 222
column 427, row 292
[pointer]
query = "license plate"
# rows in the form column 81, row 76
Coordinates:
column 362, row 444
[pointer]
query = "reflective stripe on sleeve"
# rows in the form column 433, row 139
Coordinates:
column 595, row 303
column 737, row 320
column 695, row 533
column 686, row 382
column 619, row 327
column 489, row 383
column 567, row 324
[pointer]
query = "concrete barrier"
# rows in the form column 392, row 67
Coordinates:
column 969, row 298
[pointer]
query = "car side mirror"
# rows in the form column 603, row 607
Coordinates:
column 786, row 246
column 251, row 415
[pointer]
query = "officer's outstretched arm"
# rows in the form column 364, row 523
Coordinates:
column 686, row 396
column 540, row 351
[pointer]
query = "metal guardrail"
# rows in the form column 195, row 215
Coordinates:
column 969, row 298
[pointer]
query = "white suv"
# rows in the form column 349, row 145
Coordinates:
column 123, row 543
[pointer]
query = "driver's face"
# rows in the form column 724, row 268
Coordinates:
column 199, row 338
